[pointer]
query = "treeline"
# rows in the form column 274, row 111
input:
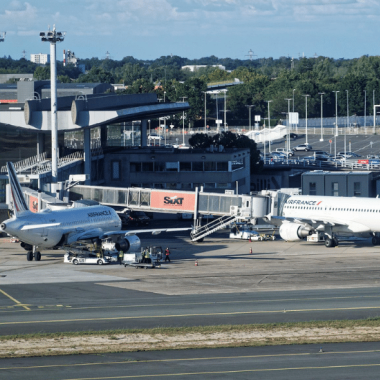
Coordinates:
column 264, row 79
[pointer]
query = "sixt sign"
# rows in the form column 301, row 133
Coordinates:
column 168, row 200
column 173, row 200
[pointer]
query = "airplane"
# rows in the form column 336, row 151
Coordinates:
column 304, row 215
column 58, row 229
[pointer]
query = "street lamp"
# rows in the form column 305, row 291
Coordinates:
column 225, row 104
column 250, row 109
column 205, row 92
column 265, row 118
column 365, row 108
column 183, row 121
column 270, row 139
column 53, row 37
column 306, row 96
column 336, row 119
column 321, row 93
column 347, row 123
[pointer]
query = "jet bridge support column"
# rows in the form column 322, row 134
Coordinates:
column 144, row 129
column 87, row 154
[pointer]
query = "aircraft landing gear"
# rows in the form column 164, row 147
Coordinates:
column 331, row 242
column 375, row 240
column 37, row 256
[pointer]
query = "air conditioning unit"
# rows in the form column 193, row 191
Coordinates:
column 234, row 210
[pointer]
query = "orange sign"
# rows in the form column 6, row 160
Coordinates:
column 172, row 200
column 33, row 204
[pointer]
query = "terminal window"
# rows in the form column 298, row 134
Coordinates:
column 335, row 189
column 357, row 189
column 312, row 188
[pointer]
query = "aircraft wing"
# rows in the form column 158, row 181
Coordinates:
column 312, row 222
column 154, row 231
column 81, row 234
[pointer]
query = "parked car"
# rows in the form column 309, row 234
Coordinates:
column 355, row 155
column 293, row 136
column 153, row 136
column 286, row 152
column 138, row 217
column 304, row 147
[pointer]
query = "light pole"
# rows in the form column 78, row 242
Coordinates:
column 250, row 109
column 270, row 139
column 183, row 122
column 336, row 120
column 293, row 98
column 321, row 93
column 265, row 118
column 205, row 92
column 225, row 111
column 164, row 96
column 306, row 96
column 288, row 119
column 365, row 108
column 347, row 123
column 53, row 37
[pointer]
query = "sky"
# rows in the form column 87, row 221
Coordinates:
column 149, row 29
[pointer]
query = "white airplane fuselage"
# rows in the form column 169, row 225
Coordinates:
column 46, row 229
column 345, row 214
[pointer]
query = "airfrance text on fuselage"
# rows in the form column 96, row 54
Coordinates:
column 102, row 213
column 299, row 202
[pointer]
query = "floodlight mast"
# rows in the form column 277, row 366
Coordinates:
column 53, row 37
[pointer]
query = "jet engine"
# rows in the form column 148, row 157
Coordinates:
column 129, row 244
column 294, row 231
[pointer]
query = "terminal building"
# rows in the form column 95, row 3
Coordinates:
column 104, row 136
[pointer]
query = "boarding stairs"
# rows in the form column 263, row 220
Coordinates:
column 213, row 226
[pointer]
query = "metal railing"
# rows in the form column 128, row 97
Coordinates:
column 28, row 163
column 62, row 161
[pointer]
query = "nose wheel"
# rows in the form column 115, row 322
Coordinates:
column 31, row 254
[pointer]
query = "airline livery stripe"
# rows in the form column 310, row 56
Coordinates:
column 18, row 197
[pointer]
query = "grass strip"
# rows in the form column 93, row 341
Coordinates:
column 172, row 331
column 169, row 338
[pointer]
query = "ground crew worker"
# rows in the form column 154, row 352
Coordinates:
column 167, row 253
column 98, row 248
column 121, row 255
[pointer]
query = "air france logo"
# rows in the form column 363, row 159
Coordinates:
column 101, row 213
column 300, row 202
column 173, row 200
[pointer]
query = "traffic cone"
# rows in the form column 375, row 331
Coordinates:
column 250, row 250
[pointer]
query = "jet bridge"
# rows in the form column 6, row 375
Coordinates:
column 229, row 207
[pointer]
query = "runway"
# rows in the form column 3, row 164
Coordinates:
column 90, row 306
column 336, row 361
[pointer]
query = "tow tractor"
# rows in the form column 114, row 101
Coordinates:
column 149, row 257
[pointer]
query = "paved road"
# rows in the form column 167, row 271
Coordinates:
column 90, row 306
column 337, row 361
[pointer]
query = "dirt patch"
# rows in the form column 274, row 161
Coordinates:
column 124, row 342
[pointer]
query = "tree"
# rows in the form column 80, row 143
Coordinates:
column 230, row 140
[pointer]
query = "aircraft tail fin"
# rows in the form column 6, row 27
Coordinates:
column 19, row 202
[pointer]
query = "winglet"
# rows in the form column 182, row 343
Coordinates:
column 19, row 202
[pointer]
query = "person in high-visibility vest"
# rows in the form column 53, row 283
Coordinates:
column 167, row 253
column 121, row 255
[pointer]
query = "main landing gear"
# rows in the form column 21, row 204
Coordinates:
column 35, row 254
column 375, row 240
column 331, row 242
